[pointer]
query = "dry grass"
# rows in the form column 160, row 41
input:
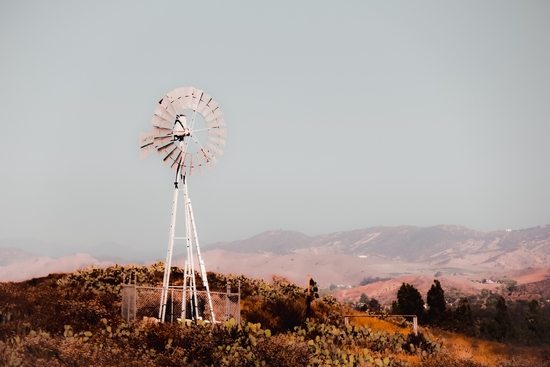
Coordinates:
column 489, row 353
column 459, row 348
column 376, row 323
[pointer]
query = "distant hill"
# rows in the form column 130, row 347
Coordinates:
column 35, row 246
column 336, row 258
column 111, row 251
column 278, row 242
column 437, row 244
column 18, row 265
column 10, row 255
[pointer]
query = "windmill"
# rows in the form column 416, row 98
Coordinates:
column 186, row 149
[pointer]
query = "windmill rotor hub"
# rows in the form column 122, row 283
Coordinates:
column 181, row 133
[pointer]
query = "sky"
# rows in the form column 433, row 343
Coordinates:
column 341, row 115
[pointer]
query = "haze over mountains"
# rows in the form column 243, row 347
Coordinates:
column 438, row 244
column 341, row 257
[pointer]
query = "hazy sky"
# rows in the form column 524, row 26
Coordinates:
column 341, row 115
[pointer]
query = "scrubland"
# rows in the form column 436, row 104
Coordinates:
column 74, row 320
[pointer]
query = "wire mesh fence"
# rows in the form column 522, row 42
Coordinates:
column 140, row 302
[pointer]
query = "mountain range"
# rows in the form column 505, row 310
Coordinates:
column 339, row 258
column 437, row 245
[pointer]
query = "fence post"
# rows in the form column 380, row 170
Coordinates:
column 124, row 309
column 239, row 302
column 227, row 291
column 129, row 302
column 415, row 325
column 184, row 303
column 135, row 298
column 171, row 304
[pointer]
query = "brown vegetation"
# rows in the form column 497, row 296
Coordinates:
column 74, row 320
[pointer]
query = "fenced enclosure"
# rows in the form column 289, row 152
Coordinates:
column 139, row 302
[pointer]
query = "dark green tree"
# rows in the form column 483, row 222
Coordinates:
column 394, row 307
column 364, row 298
column 501, row 327
column 409, row 300
column 537, row 324
column 312, row 293
column 463, row 321
column 436, row 303
column 374, row 305
column 505, row 328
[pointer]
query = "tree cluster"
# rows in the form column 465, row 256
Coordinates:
column 367, row 304
column 489, row 316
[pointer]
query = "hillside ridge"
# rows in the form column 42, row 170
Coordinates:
column 434, row 244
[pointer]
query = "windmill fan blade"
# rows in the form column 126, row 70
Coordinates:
column 185, row 91
column 171, row 153
column 215, row 114
column 145, row 139
column 165, row 149
column 200, row 106
column 162, row 140
column 191, row 168
column 163, row 114
column 214, row 149
column 218, row 132
column 213, row 105
column 211, row 157
column 217, row 123
column 161, row 131
column 206, row 111
column 185, row 163
column 218, row 151
column 166, row 104
column 186, row 102
column 175, row 93
column 198, row 162
column 197, row 94
column 177, row 97
column 175, row 164
column 206, row 159
column 188, row 97
column 146, row 145
column 205, row 98
column 160, row 122
column 177, row 105
column 172, row 157
column 216, row 140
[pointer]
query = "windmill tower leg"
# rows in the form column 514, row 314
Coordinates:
column 201, row 264
column 184, row 294
column 168, row 264
column 190, row 264
column 192, row 237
